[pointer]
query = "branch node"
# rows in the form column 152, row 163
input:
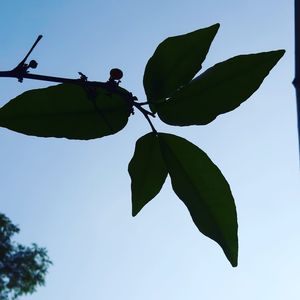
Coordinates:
column 83, row 77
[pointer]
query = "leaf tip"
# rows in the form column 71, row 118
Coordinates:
column 234, row 262
column 135, row 210
column 215, row 28
column 232, row 256
column 281, row 52
column 277, row 55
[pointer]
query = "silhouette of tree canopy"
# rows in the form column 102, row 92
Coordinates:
column 22, row 268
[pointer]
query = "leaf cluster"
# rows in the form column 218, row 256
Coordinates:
column 180, row 98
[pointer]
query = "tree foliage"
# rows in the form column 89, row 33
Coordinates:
column 22, row 268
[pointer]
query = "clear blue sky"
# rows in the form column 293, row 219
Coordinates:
column 73, row 197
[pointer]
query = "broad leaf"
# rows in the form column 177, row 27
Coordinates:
column 218, row 90
column 176, row 61
column 201, row 186
column 147, row 171
column 66, row 110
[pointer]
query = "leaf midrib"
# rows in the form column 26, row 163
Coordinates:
column 250, row 69
column 195, row 190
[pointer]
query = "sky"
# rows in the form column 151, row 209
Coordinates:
column 73, row 197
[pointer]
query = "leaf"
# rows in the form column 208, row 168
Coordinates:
column 66, row 110
column 147, row 171
column 201, row 186
column 218, row 90
column 176, row 61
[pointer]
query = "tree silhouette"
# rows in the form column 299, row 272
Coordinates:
column 22, row 268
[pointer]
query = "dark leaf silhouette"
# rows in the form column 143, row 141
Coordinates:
column 201, row 186
column 176, row 61
column 218, row 90
column 147, row 171
column 66, row 110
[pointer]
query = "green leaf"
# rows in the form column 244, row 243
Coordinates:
column 176, row 61
column 66, row 110
column 218, row 90
column 201, row 186
column 147, row 171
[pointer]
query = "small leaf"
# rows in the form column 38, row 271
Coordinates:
column 218, row 90
column 176, row 61
column 201, row 186
column 66, row 110
column 147, row 171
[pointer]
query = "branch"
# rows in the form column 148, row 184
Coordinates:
column 20, row 74
column 21, row 71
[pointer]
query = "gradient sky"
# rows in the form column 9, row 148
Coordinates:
column 73, row 197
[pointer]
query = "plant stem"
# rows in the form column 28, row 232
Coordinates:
column 20, row 75
column 296, row 81
column 20, row 65
column 146, row 114
column 21, row 71
column 110, row 86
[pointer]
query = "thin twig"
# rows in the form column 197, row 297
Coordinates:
column 20, row 65
column 16, row 73
column 139, row 106
column 146, row 114
column 144, row 103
